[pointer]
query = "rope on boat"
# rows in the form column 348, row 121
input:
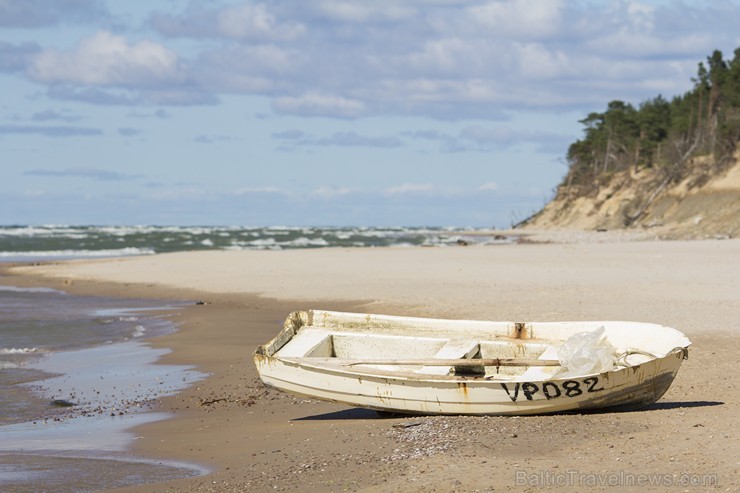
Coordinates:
column 684, row 351
column 622, row 358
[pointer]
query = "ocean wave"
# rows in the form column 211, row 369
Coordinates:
column 117, row 252
column 273, row 244
column 18, row 243
column 24, row 350
column 46, row 231
column 139, row 331
column 262, row 242
column 16, row 289
column 303, row 242
column 81, row 232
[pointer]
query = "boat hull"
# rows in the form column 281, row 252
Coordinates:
column 628, row 388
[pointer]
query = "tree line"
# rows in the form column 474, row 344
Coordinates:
column 662, row 135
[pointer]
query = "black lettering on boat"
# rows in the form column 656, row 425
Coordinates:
column 591, row 382
column 528, row 389
column 551, row 390
column 572, row 388
column 516, row 391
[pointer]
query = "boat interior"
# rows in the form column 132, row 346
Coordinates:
column 354, row 348
column 361, row 341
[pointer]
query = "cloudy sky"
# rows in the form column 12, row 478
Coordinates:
column 320, row 112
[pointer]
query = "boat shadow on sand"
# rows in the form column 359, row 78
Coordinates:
column 361, row 413
column 660, row 406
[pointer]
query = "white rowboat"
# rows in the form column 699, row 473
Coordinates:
column 432, row 366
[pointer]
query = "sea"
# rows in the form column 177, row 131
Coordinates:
column 53, row 242
column 76, row 372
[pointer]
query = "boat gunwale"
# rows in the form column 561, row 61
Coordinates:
column 305, row 318
column 324, row 365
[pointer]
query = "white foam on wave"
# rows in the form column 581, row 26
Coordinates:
column 23, row 350
column 45, row 231
column 139, row 331
column 79, row 232
column 16, row 289
column 177, row 238
column 119, row 252
column 303, row 242
column 263, row 242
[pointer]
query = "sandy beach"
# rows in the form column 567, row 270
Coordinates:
column 257, row 439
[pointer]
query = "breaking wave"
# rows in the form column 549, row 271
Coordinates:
column 24, row 243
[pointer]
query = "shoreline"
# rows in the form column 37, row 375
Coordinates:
column 258, row 439
column 105, row 390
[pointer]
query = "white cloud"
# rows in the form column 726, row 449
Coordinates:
column 292, row 134
column 410, row 188
column 330, row 192
column 641, row 15
column 83, row 172
column 442, row 56
column 487, row 139
column 211, row 138
column 527, row 19
column 48, row 115
column 292, row 140
column 362, row 12
column 352, row 139
column 50, row 130
column 485, row 135
column 178, row 194
column 260, row 190
column 536, row 61
column 105, row 59
column 15, row 58
column 489, row 187
column 249, row 21
column 447, row 59
column 636, row 45
column 319, row 104
column 260, row 68
column 40, row 13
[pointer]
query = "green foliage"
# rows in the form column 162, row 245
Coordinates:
column 662, row 133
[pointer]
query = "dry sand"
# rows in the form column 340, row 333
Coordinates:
column 257, row 439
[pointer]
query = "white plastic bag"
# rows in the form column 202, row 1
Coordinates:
column 586, row 353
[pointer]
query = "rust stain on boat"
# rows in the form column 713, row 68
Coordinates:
column 521, row 331
column 464, row 387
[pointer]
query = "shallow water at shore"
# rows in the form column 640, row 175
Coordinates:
column 90, row 355
column 59, row 473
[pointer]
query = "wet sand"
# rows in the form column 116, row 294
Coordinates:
column 256, row 439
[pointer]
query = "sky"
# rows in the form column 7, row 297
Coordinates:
column 321, row 112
